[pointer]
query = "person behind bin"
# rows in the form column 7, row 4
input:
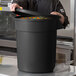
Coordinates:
column 42, row 6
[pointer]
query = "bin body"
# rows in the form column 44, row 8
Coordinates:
column 36, row 45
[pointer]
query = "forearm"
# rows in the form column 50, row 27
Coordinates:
column 60, row 9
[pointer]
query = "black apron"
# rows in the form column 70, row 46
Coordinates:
column 41, row 6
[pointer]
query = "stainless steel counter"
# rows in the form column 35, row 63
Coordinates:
column 8, row 67
column 11, row 70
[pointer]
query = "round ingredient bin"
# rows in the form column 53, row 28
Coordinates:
column 36, row 43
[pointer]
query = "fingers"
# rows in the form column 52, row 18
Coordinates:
column 55, row 13
column 21, row 7
column 14, row 6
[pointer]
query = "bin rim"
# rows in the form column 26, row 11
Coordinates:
column 47, row 16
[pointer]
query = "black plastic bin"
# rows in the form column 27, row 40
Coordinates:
column 36, row 44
